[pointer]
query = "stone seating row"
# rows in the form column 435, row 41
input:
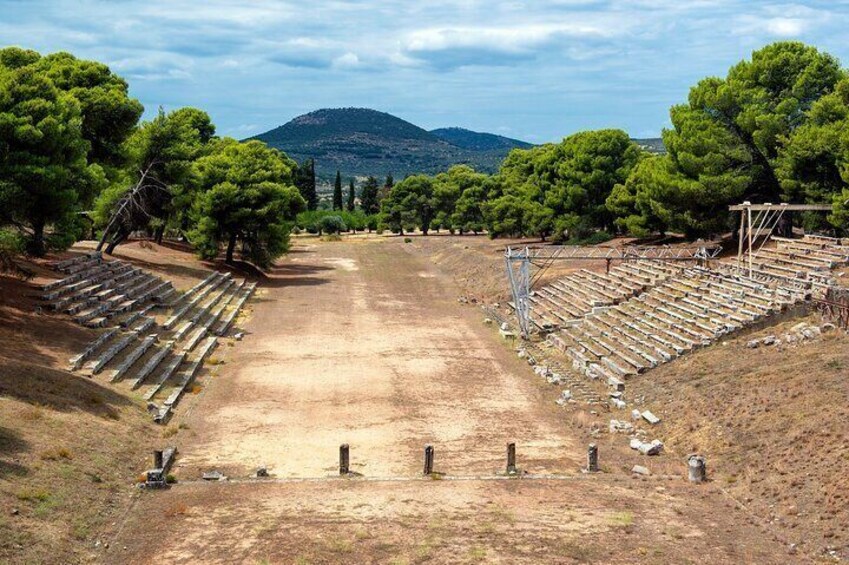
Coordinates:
column 576, row 295
column 194, row 296
column 138, row 351
column 688, row 311
column 184, row 379
column 105, row 271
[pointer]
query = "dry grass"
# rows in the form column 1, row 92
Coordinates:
column 176, row 509
column 772, row 425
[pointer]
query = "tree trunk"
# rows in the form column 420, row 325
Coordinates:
column 37, row 244
column 230, row 246
column 117, row 239
column 157, row 236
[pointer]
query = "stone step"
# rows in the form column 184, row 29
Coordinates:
column 77, row 361
column 190, row 372
column 96, row 365
column 169, row 370
column 132, row 357
column 151, row 364
column 228, row 319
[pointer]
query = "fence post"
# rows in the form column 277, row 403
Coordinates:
column 592, row 458
column 428, row 459
column 344, row 459
column 511, row 458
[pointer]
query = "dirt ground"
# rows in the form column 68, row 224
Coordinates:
column 364, row 342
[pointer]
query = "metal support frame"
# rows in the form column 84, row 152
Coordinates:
column 518, row 263
column 767, row 217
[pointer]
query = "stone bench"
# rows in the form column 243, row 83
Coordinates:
column 97, row 365
column 166, row 374
column 225, row 323
column 132, row 357
column 77, row 361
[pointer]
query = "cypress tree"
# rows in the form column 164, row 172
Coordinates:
column 312, row 195
column 387, row 187
column 337, row 192
column 370, row 197
column 351, row 195
column 305, row 182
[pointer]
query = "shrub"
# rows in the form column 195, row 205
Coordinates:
column 592, row 239
column 332, row 224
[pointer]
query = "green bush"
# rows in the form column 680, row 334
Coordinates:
column 592, row 239
column 332, row 224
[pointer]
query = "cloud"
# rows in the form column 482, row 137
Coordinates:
column 542, row 69
column 346, row 61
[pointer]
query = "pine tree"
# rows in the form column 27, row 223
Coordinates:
column 337, row 192
column 351, row 195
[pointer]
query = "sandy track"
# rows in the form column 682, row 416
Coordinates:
column 361, row 343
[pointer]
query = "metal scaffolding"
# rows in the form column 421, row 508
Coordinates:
column 518, row 263
column 766, row 219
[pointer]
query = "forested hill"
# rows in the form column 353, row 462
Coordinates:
column 476, row 141
column 651, row 144
column 362, row 142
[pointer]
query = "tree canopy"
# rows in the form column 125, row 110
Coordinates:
column 247, row 197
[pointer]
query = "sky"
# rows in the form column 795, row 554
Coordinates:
column 537, row 71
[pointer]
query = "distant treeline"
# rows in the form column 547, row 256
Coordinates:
column 74, row 158
column 775, row 129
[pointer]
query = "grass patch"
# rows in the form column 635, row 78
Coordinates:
column 176, row 509
column 477, row 553
column 339, row 545
column 622, row 519
column 57, row 453
column 170, row 431
column 577, row 551
column 80, row 530
column 33, row 495
column 32, row 413
column 835, row 364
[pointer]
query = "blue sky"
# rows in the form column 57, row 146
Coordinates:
column 533, row 70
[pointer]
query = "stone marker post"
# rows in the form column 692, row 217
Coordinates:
column 511, row 458
column 344, row 459
column 592, row 458
column 428, row 460
column 157, row 459
column 697, row 469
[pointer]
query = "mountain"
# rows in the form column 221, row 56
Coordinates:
column 361, row 142
column 476, row 141
column 651, row 144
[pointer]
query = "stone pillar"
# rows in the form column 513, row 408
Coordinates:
column 697, row 469
column 511, row 458
column 428, row 460
column 157, row 459
column 592, row 458
column 344, row 459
